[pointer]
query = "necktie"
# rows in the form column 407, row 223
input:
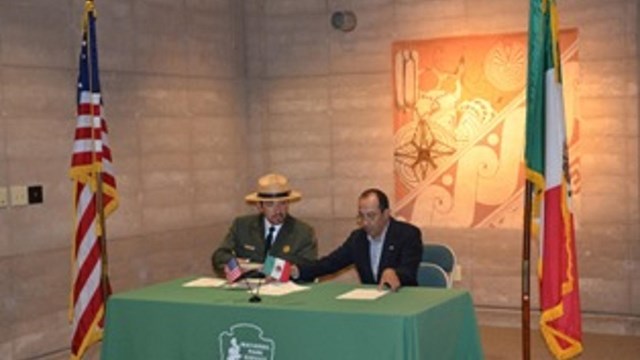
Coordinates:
column 269, row 240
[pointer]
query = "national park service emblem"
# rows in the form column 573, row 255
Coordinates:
column 246, row 342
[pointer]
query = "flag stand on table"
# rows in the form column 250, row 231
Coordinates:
column 95, row 197
column 548, row 214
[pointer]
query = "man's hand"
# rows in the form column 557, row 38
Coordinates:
column 390, row 279
column 295, row 273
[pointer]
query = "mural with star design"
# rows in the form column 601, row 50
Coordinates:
column 459, row 126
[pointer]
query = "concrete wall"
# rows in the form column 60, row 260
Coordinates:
column 174, row 90
column 203, row 96
column 321, row 111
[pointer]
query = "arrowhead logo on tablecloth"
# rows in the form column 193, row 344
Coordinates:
column 246, row 341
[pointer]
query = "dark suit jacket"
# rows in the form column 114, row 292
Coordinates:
column 295, row 242
column 402, row 251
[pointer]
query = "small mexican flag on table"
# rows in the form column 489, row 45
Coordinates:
column 276, row 268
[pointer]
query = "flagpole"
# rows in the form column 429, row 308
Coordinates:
column 103, row 239
column 104, row 283
column 526, row 267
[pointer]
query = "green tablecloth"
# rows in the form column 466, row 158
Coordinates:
column 169, row 321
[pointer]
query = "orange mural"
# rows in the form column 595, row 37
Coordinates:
column 459, row 126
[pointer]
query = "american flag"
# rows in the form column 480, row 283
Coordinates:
column 94, row 193
column 232, row 270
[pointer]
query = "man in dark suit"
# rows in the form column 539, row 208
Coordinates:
column 384, row 251
column 273, row 231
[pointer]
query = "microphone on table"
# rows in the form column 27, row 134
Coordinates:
column 254, row 274
column 234, row 273
column 255, row 298
column 273, row 268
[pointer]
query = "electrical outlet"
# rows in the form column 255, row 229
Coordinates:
column 4, row 199
column 35, row 194
column 457, row 273
column 19, row 195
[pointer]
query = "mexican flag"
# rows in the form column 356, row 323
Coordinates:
column 276, row 268
column 547, row 162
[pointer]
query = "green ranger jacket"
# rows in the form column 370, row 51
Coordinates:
column 296, row 242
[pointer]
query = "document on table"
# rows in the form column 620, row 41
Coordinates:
column 205, row 282
column 362, row 294
column 278, row 289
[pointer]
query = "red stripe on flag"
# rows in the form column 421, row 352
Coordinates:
column 87, row 319
column 559, row 290
column 85, row 270
column 83, row 133
column 87, row 219
column 553, row 254
column 109, row 179
column 82, row 158
column 286, row 272
column 89, row 109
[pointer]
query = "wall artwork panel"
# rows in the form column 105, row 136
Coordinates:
column 459, row 126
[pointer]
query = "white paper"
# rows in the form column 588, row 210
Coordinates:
column 279, row 289
column 246, row 266
column 205, row 282
column 273, row 288
column 362, row 294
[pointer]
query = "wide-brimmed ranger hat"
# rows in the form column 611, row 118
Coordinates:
column 273, row 187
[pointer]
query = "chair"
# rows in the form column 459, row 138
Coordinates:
column 441, row 255
column 432, row 275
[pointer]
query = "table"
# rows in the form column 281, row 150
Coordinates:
column 169, row 321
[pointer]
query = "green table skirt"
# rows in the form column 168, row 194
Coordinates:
column 169, row 321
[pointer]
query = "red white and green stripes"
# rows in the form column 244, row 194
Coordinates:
column 547, row 162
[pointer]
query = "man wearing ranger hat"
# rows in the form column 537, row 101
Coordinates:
column 273, row 231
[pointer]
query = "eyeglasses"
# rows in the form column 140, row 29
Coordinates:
column 370, row 216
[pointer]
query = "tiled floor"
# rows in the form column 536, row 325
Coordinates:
column 505, row 344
